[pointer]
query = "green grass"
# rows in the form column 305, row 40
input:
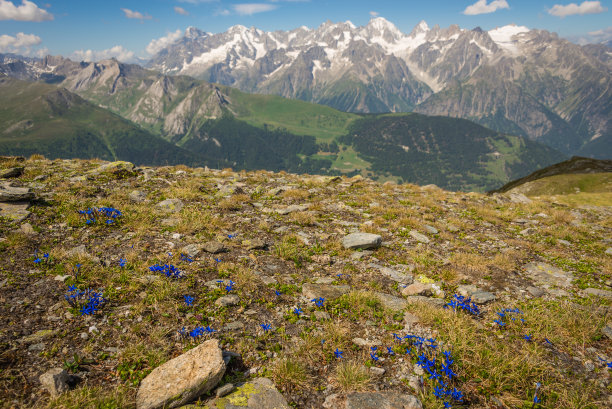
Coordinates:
column 299, row 117
column 570, row 184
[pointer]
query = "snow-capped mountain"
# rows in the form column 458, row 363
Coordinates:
column 510, row 78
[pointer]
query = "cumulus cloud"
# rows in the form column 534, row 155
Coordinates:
column 600, row 36
column 18, row 42
column 481, row 7
column 159, row 43
column 181, row 11
column 117, row 52
column 247, row 9
column 28, row 11
column 586, row 7
column 222, row 12
column 136, row 14
column 374, row 13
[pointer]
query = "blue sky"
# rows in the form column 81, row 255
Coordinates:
column 125, row 29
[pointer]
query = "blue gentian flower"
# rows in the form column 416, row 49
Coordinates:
column 188, row 300
column 338, row 353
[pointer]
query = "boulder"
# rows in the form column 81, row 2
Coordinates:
column 362, row 241
column 372, row 400
column 326, row 291
column 10, row 193
column 182, row 379
column 11, row 172
column 214, row 247
column 260, row 393
column 55, row 381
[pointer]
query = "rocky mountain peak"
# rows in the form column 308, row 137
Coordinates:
column 193, row 32
column 422, row 27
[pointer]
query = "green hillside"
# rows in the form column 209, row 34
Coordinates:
column 41, row 118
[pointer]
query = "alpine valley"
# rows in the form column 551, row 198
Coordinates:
column 463, row 109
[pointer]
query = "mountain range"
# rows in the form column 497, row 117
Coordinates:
column 511, row 79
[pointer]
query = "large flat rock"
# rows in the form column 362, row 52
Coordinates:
column 260, row 393
column 372, row 400
column 362, row 241
column 548, row 276
column 10, row 193
column 182, row 379
column 16, row 211
column 326, row 291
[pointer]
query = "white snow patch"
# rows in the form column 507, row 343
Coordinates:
column 503, row 36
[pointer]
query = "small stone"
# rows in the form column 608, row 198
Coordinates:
column 224, row 390
column 402, row 278
column 392, row 302
column 27, row 229
column 183, row 378
column 61, row 278
column 609, row 251
column 15, row 211
column 234, row 326
column 37, row 347
column 55, row 381
column 191, row 250
column 380, row 400
column 607, row 330
column 228, row 300
column 171, row 205
column 410, row 319
column 260, row 393
column 599, row 293
column 170, row 222
column 376, row 371
column 546, row 275
column 137, row 196
column 519, row 198
column 366, row 343
column 38, row 336
column 535, row 291
column 84, row 336
column 421, row 238
column 431, row 229
column 291, row 209
column 418, row 289
column 117, row 167
column 483, row 297
column 362, row 241
column 452, row 228
column 255, row 244
column 214, row 247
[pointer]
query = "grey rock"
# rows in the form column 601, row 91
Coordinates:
column 421, row 238
column 410, row 319
column 535, row 291
column 518, row 198
column 10, row 193
column 376, row 371
column 27, row 229
column 291, row 209
column 137, row 196
column 260, row 393
column 228, row 300
column 37, row 347
column 609, row 251
column 328, row 292
column 234, row 326
column 170, row 205
column 394, row 275
column 431, row 229
column 115, row 167
column 183, row 378
column 607, row 330
column 38, row 336
column 392, row 302
column 214, row 247
column 225, row 390
column 321, row 315
column 55, row 381
column 366, row 342
column 599, row 293
column 483, row 297
column 546, row 275
column 381, row 400
column 362, row 241
column 16, row 211
column 436, row 302
column 424, row 289
column 255, row 244
column 191, row 250
column 452, row 228
column 11, row 172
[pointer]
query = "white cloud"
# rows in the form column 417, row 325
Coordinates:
column 136, row 14
column 157, row 44
column 20, row 40
column 602, row 35
column 481, row 7
column 28, row 11
column 181, row 11
column 198, row 1
column 586, row 7
column 374, row 13
column 247, row 9
column 117, row 52
column 222, row 12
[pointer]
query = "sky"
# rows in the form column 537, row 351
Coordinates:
column 132, row 30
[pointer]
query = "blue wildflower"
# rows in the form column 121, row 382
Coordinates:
column 230, row 286
column 318, row 301
column 188, row 300
column 265, row 327
column 297, row 311
column 122, row 262
column 338, row 353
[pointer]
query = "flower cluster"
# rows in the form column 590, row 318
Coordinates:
column 89, row 300
column 196, row 332
column 186, row 258
column 39, row 260
column 463, row 303
column 168, row 270
column 507, row 313
column 93, row 214
column 318, row 301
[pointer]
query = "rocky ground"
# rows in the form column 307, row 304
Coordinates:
column 259, row 289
